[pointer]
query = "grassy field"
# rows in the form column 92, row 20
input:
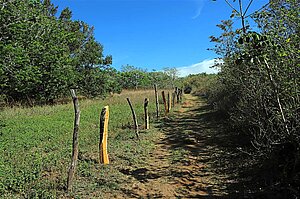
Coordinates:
column 36, row 146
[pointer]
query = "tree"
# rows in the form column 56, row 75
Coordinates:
column 260, row 81
column 172, row 74
column 50, row 10
column 242, row 13
column 133, row 77
column 42, row 56
column 33, row 58
column 65, row 15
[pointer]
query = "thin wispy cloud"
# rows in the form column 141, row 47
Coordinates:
column 201, row 67
column 199, row 7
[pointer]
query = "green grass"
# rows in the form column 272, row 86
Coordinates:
column 179, row 155
column 36, row 146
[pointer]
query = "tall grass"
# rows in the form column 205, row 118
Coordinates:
column 36, row 147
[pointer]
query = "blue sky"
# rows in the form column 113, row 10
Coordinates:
column 153, row 34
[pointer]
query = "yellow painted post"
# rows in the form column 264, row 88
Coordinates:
column 104, row 117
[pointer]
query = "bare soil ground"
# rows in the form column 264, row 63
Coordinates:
column 183, row 164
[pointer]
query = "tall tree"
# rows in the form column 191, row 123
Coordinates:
column 42, row 55
column 259, row 87
column 172, row 74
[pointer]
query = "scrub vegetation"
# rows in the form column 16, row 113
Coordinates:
column 236, row 134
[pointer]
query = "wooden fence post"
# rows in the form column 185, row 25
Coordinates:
column 169, row 102
column 104, row 118
column 72, row 168
column 180, row 95
column 156, row 101
column 136, row 127
column 165, row 103
column 173, row 100
column 177, row 94
column 146, row 113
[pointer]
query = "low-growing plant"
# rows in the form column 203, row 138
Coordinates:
column 36, row 147
column 178, row 155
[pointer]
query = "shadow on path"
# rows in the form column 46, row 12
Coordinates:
column 193, row 158
column 204, row 169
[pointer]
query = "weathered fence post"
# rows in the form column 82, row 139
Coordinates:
column 165, row 103
column 180, row 95
column 173, row 100
column 156, row 101
column 146, row 113
column 136, row 127
column 72, row 168
column 176, row 93
column 104, row 118
column 169, row 102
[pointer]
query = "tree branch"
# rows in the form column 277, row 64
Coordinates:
column 258, row 10
column 231, row 6
column 248, row 7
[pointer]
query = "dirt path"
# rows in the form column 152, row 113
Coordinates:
column 183, row 164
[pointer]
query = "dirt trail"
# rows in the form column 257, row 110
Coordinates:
column 182, row 166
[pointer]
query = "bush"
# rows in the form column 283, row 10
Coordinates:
column 187, row 89
column 258, row 88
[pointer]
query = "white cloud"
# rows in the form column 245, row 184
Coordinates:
column 202, row 67
column 199, row 7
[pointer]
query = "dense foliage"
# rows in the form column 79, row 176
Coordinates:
column 258, row 88
column 43, row 54
column 137, row 78
column 199, row 84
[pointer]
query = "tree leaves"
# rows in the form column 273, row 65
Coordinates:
column 259, row 83
column 41, row 55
